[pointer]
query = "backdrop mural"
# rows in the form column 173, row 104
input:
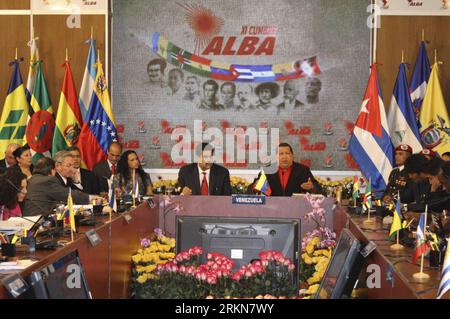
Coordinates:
column 300, row 66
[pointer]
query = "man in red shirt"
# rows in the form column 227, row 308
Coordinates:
column 291, row 176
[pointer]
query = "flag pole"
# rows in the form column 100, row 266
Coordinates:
column 67, row 55
column 16, row 55
column 423, row 34
column 132, row 192
column 421, row 274
column 369, row 220
column 403, row 56
column 92, row 32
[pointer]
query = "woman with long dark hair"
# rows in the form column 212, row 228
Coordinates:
column 130, row 171
column 24, row 160
column 13, row 188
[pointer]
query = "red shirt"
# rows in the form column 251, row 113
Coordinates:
column 284, row 176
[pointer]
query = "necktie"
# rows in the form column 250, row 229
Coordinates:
column 204, row 190
column 113, row 169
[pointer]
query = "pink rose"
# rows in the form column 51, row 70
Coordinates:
column 291, row 267
column 182, row 269
column 265, row 263
column 211, row 280
column 236, row 276
column 248, row 273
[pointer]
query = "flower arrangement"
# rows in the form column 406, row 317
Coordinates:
column 158, row 251
column 331, row 187
column 317, row 247
column 184, row 277
column 239, row 185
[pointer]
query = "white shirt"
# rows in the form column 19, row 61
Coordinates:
column 78, row 185
column 200, row 175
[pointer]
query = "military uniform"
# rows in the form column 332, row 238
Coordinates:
column 398, row 179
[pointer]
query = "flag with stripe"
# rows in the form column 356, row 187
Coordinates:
column 69, row 120
column 421, row 242
column 262, row 185
column 367, row 201
column 34, row 57
column 396, row 220
column 99, row 129
column 15, row 111
column 41, row 124
column 111, row 194
column 444, row 285
column 370, row 143
column 401, row 118
column 434, row 119
column 71, row 211
column 87, row 85
column 419, row 79
column 355, row 192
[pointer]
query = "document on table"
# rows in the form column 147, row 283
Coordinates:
column 16, row 224
column 15, row 266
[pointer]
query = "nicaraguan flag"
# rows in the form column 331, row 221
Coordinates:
column 370, row 143
column 401, row 119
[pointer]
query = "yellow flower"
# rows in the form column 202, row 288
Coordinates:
column 309, row 249
column 136, row 258
column 308, row 260
column 307, row 297
column 312, row 289
column 142, row 278
column 315, row 241
column 140, row 268
column 150, row 268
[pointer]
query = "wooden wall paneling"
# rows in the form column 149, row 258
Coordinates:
column 14, row 4
column 405, row 32
column 16, row 30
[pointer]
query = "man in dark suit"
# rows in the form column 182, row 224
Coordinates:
column 291, row 177
column 83, row 180
column 104, row 169
column 204, row 177
column 290, row 102
column 45, row 190
column 9, row 159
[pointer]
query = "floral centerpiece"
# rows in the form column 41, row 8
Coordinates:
column 239, row 185
column 157, row 251
column 185, row 277
column 164, row 186
column 317, row 248
column 331, row 188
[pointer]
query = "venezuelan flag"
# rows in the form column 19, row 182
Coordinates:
column 99, row 129
column 13, row 121
column 262, row 185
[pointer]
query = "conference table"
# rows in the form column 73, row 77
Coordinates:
column 108, row 264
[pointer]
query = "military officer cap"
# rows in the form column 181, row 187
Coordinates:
column 405, row 148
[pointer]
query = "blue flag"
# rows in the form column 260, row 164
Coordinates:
column 401, row 118
column 419, row 79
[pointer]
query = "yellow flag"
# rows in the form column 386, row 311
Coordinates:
column 435, row 130
column 71, row 211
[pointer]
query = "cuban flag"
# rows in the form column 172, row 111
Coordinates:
column 90, row 74
column 401, row 118
column 419, row 79
column 370, row 143
column 444, row 286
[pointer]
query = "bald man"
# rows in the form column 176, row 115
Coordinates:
column 9, row 159
column 290, row 91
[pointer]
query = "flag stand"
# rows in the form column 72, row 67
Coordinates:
column 397, row 246
column 369, row 221
column 421, row 275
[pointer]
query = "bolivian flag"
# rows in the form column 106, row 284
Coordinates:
column 69, row 120
column 15, row 111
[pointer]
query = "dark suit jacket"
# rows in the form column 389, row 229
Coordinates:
column 299, row 174
column 45, row 192
column 2, row 166
column 282, row 105
column 103, row 173
column 219, row 179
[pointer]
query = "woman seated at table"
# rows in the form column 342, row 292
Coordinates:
column 13, row 188
column 130, row 170
column 24, row 160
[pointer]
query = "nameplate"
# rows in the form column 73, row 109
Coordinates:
column 15, row 285
column 127, row 217
column 248, row 199
column 93, row 237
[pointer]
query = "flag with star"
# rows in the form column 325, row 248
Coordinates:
column 69, row 118
column 99, row 129
column 15, row 111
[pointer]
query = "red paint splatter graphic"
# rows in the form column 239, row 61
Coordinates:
column 203, row 22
